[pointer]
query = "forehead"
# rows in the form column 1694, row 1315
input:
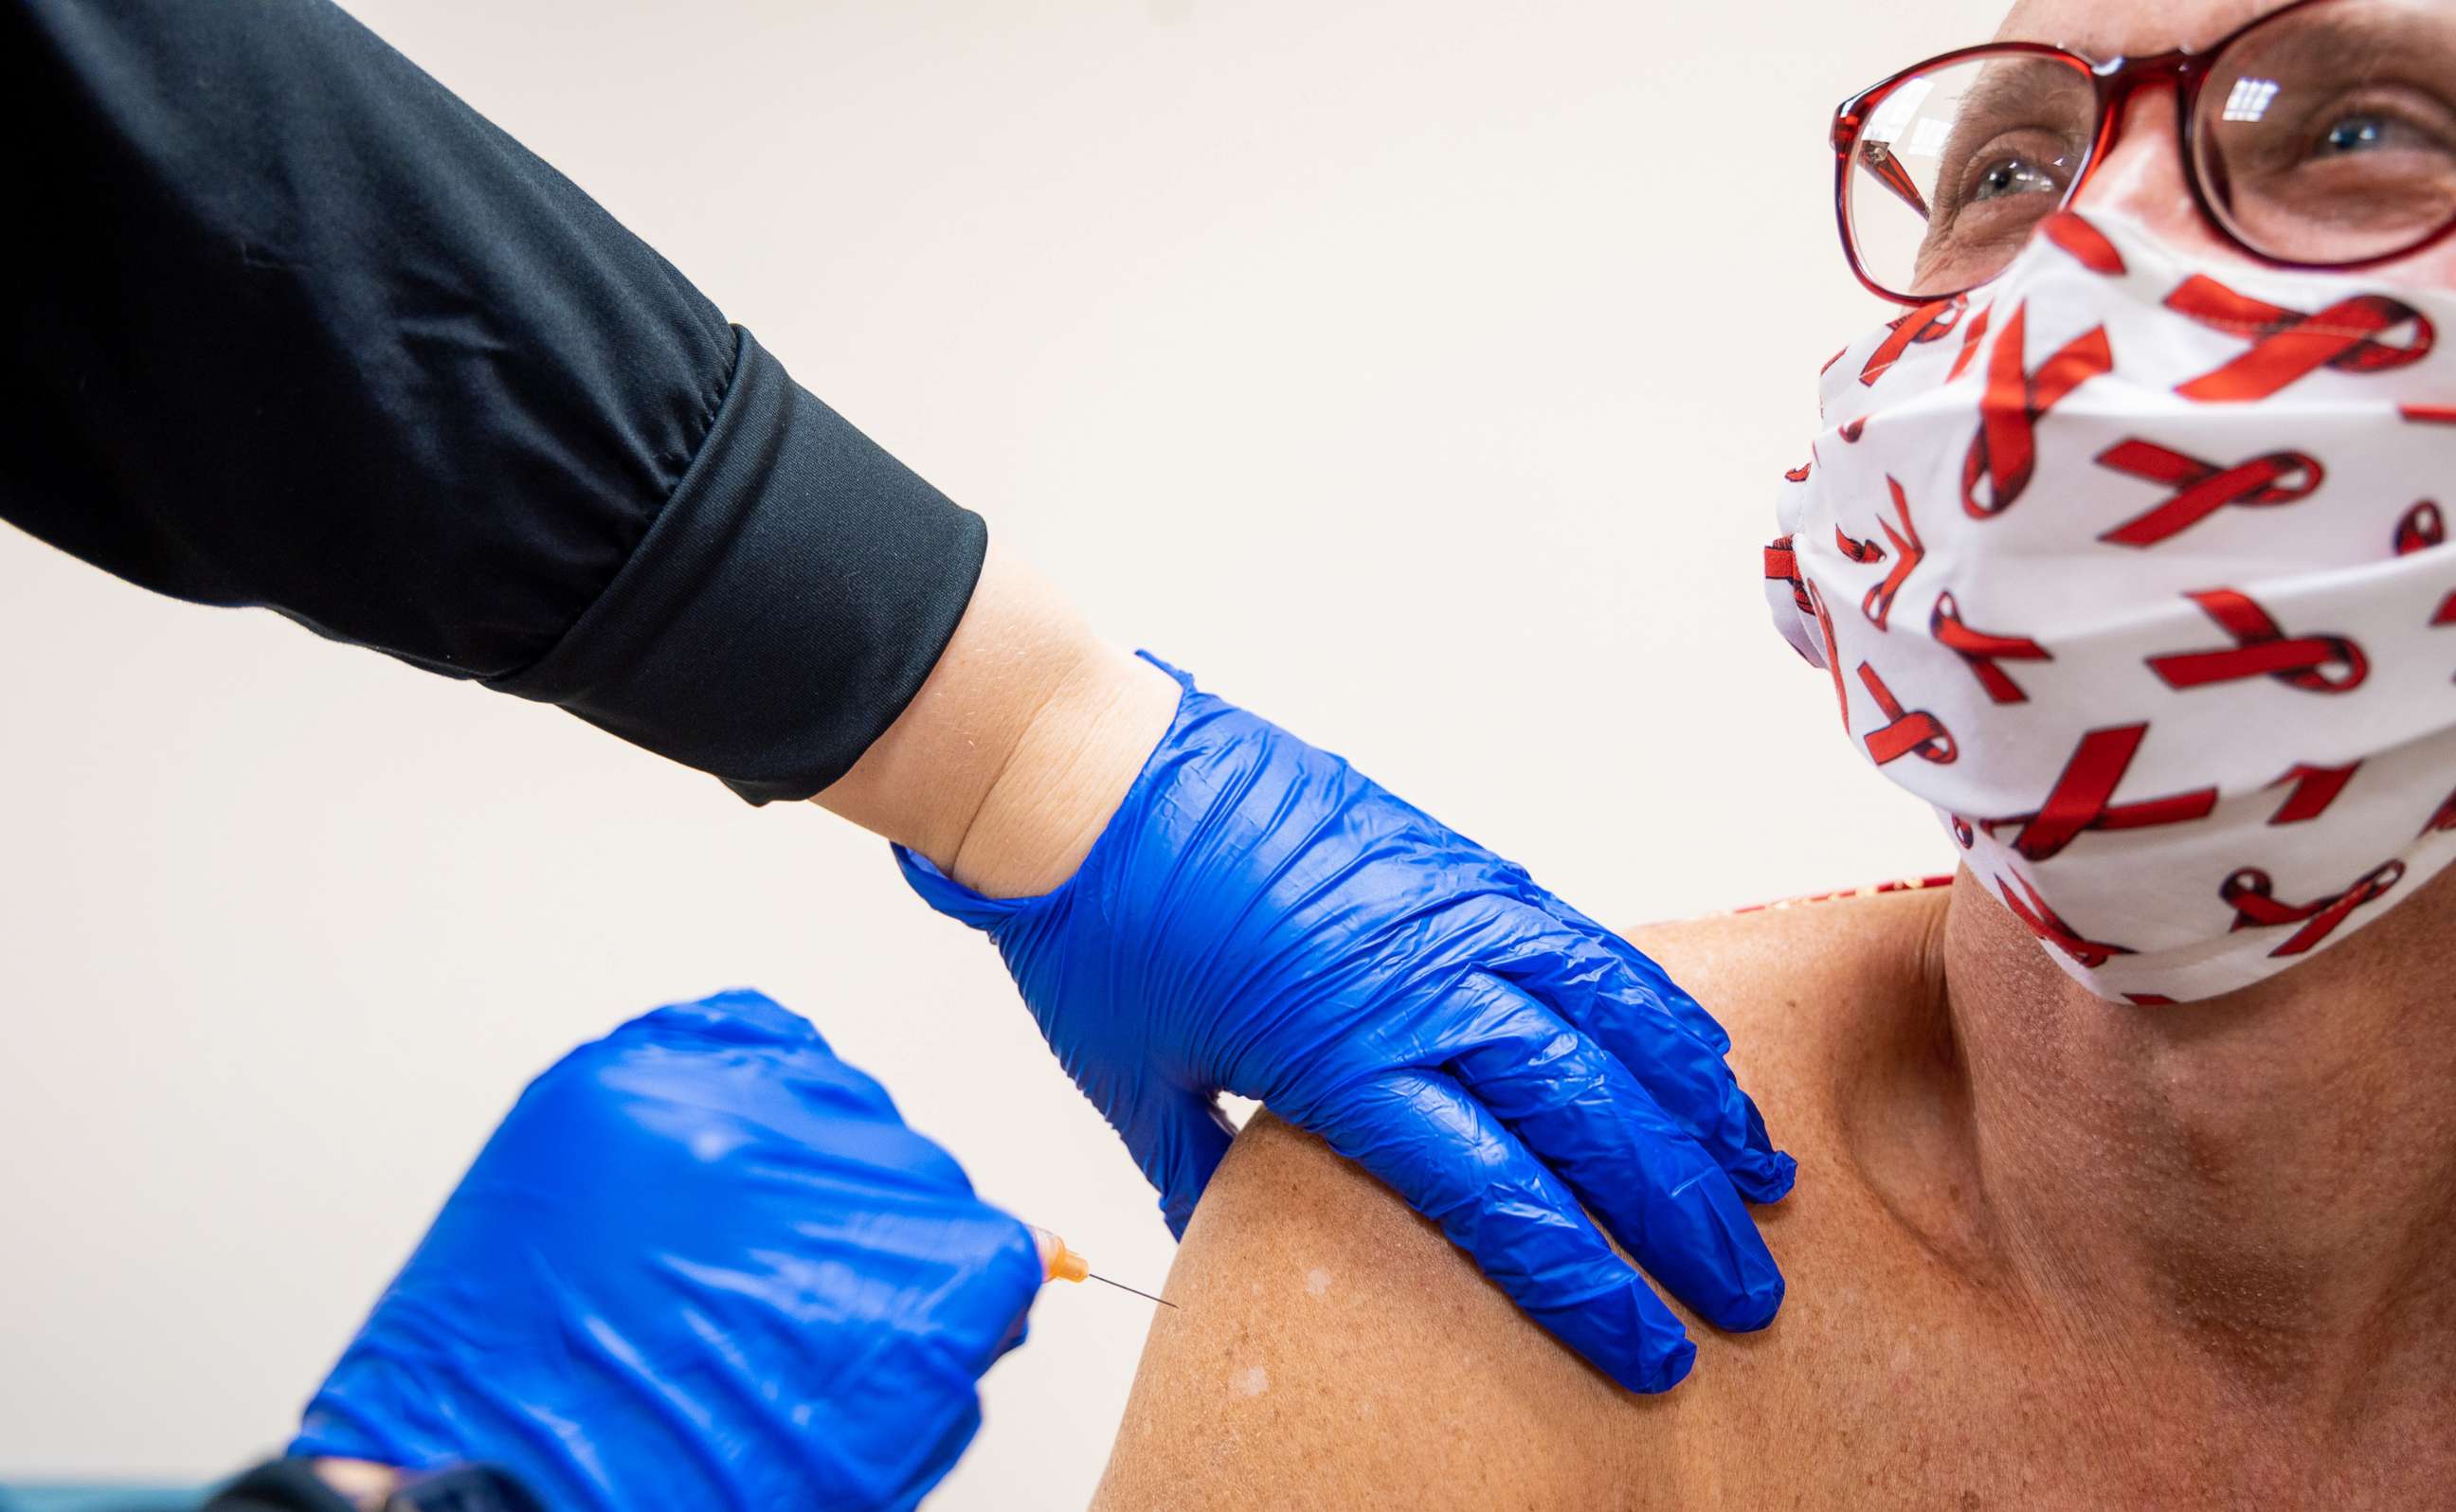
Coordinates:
column 2105, row 28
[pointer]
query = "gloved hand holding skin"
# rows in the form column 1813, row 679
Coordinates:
column 702, row 1264
column 1260, row 918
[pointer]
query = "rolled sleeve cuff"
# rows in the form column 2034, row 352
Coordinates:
column 787, row 605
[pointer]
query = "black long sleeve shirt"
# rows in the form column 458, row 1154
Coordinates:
column 292, row 326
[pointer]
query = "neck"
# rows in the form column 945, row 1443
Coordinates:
column 2267, row 1179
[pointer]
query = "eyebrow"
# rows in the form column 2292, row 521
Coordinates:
column 2364, row 42
column 2016, row 84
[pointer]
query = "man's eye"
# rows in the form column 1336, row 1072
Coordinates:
column 2013, row 175
column 2367, row 133
column 2354, row 134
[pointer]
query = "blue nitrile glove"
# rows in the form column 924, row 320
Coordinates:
column 702, row 1264
column 1261, row 919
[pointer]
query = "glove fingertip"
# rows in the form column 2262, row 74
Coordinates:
column 1752, row 1305
column 1653, row 1355
column 1768, row 1179
column 1626, row 1333
column 1669, row 1369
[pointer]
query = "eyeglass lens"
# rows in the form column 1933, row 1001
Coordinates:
column 2329, row 134
column 2326, row 135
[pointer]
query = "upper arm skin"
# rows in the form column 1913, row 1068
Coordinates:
column 1330, row 1349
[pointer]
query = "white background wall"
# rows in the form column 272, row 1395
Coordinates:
column 1415, row 371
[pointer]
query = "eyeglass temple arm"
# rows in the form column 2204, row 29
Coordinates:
column 1882, row 166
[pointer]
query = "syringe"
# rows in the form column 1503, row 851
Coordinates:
column 1058, row 1263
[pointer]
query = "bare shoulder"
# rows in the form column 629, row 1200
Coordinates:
column 1796, row 985
column 1332, row 1349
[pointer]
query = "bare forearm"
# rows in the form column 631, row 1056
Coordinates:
column 1009, row 762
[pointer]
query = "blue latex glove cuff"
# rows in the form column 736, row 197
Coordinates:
column 703, row 1263
column 1259, row 917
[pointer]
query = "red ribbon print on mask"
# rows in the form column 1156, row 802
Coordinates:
column 1782, row 565
column 2422, row 528
column 2201, row 490
column 1974, row 331
column 2315, row 789
column 1981, row 651
column 2047, row 925
column 2444, row 818
column 2005, row 452
column 1929, row 322
column 1908, row 553
column 2247, row 892
column 2288, row 345
column 2074, row 233
column 1833, row 652
column 1912, row 734
column 2082, row 798
column 2262, row 649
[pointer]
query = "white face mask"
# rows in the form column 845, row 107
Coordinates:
column 2138, row 572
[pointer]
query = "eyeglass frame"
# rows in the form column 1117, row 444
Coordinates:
column 2116, row 80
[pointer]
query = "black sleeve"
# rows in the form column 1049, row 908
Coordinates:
column 291, row 1486
column 294, row 327
column 279, row 1486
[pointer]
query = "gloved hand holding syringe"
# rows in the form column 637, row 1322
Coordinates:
column 701, row 1263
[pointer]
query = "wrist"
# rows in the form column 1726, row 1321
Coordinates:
column 362, row 1483
column 1010, row 759
column 1069, row 771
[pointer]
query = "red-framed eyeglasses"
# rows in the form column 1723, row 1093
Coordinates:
column 2320, row 135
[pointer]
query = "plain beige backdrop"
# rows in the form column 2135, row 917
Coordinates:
column 1417, row 372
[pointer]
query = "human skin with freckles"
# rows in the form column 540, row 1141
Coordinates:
column 2045, row 1251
